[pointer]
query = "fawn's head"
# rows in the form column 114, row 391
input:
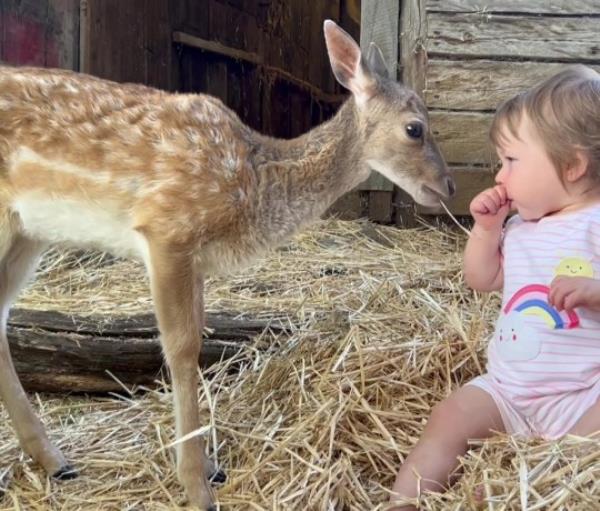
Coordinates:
column 393, row 121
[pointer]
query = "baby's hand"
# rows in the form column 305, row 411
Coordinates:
column 490, row 208
column 566, row 293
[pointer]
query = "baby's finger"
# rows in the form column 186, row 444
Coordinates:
column 496, row 196
column 555, row 292
column 571, row 300
column 492, row 204
column 501, row 191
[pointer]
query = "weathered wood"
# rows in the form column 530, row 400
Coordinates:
column 515, row 6
column 351, row 206
column 481, row 84
column 380, row 206
column 58, row 352
column 525, row 37
column 254, row 58
column 413, row 60
column 469, row 182
column 413, row 31
column 380, row 25
column 463, row 137
column 40, row 33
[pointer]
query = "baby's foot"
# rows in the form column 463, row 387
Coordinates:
column 478, row 495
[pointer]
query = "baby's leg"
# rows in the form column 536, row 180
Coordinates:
column 589, row 423
column 468, row 413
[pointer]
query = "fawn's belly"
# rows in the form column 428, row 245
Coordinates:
column 60, row 202
column 80, row 224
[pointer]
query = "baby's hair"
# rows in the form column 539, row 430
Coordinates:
column 565, row 112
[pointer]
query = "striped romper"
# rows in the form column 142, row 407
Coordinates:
column 543, row 368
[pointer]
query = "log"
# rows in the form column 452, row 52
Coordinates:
column 57, row 352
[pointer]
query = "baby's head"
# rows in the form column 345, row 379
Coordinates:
column 561, row 118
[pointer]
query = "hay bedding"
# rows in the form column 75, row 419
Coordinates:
column 382, row 329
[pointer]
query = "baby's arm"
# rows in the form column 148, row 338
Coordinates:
column 482, row 258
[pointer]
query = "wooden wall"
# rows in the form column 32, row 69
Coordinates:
column 265, row 59
column 40, row 33
column 466, row 56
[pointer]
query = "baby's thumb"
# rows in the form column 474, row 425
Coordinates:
column 504, row 210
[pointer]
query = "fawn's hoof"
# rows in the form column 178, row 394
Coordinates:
column 218, row 476
column 65, row 473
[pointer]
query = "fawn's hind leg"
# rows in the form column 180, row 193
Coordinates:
column 18, row 258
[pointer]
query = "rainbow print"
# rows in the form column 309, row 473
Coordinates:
column 533, row 300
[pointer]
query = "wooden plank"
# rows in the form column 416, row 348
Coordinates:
column 40, row 33
column 350, row 206
column 463, row 137
column 159, row 51
column 469, row 182
column 84, row 27
column 413, row 57
column 319, row 71
column 221, row 49
column 380, row 206
column 515, row 6
column 380, row 25
column 64, row 16
column 481, row 84
column 23, row 33
column 115, row 48
column 413, row 62
column 350, row 17
column 567, row 39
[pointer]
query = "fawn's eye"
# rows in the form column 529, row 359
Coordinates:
column 414, row 130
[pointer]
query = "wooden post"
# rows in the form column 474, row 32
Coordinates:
column 379, row 24
column 413, row 60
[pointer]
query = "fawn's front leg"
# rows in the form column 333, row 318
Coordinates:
column 18, row 261
column 177, row 294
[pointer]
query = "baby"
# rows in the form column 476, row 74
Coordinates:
column 543, row 372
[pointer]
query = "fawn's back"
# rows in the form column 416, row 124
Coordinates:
column 92, row 162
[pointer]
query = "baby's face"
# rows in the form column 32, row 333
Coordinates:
column 530, row 178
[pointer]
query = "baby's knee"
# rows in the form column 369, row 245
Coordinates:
column 445, row 412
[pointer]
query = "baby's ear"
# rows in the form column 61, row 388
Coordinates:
column 578, row 167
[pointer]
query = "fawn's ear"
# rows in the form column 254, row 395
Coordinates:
column 376, row 61
column 348, row 66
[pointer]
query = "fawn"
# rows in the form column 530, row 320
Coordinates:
column 178, row 181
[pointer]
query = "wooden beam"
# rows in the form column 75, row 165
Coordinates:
column 256, row 59
column 531, row 37
column 379, row 24
column 413, row 63
column 380, row 21
column 487, row 7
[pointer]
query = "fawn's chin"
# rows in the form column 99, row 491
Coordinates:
column 429, row 199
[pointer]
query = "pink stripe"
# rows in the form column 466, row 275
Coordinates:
column 550, row 373
column 574, row 344
column 560, row 362
column 564, row 354
column 527, row 289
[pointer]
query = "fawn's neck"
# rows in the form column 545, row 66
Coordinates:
column 298, row 179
